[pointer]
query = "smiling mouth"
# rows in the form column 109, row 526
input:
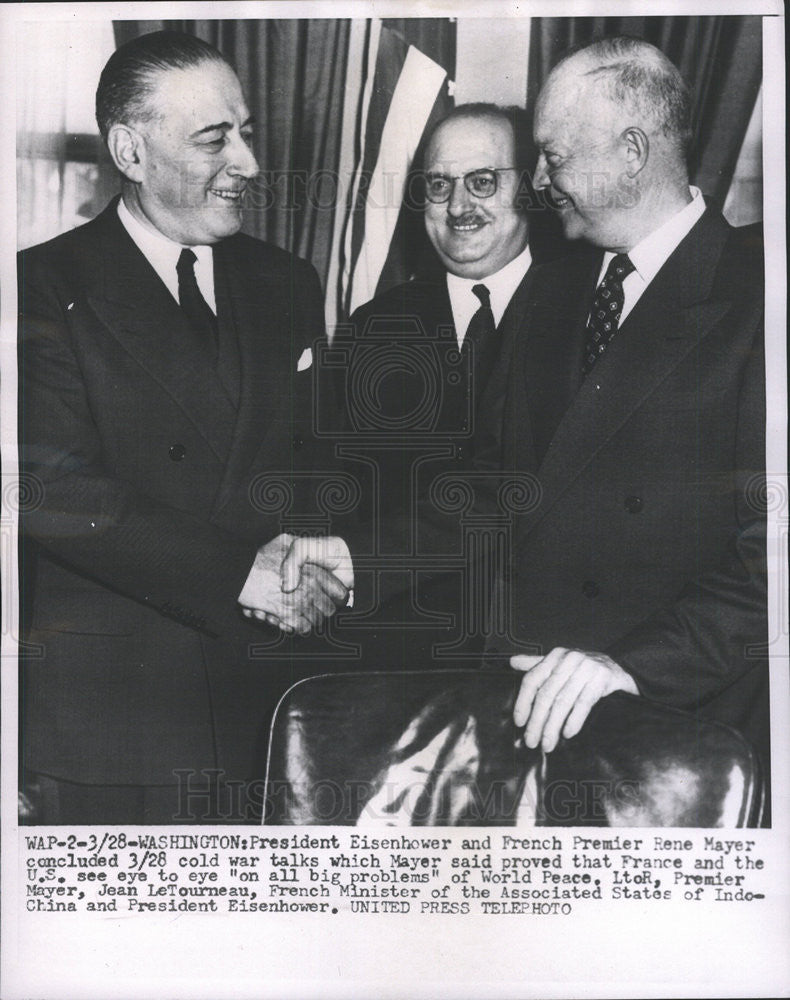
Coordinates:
column 558, row 201
column 232, row 197
column 465, row 225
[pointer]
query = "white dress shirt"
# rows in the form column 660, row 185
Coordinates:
column 162, row 254
column 649, row 256
column 501, row 286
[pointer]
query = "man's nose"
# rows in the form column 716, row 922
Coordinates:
column 541, row 177
column 460, row 200
column 241, row 159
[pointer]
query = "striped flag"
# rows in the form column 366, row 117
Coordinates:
column 405, row 91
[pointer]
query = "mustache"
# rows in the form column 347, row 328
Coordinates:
column 467, row 219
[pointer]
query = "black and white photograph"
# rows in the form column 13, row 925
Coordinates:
column 394, row 418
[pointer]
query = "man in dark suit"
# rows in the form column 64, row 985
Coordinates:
column 636, row 400
column 642, row 365
column 427, row 367
column 165, row 363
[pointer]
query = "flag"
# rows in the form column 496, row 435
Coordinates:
column 406, row 70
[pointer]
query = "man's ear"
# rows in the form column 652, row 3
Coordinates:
column 637, row 150
column 127, row 151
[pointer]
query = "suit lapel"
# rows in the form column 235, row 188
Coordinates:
column 503, row 394
column 268, row 355
column 509, row 328
column 427, row 301
column 547, row 362
column 138, row 310
column 673, row 315
column 436, row 312
column 430, row 301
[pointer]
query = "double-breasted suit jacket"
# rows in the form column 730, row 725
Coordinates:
column 647, row 537
column 144, row 464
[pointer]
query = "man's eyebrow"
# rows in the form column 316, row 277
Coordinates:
column 222, row 127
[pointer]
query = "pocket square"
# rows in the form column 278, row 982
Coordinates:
column 305, row 360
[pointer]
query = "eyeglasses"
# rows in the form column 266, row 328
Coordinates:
column 480, row 183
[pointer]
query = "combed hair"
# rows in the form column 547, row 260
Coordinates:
column 128, row 79
column 638, row 75
column 515, row 116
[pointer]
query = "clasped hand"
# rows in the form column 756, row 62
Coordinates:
column 295, row 583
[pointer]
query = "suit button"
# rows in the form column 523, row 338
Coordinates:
column 590, row 588
column 298, row 442
column 633, row 504
column 177, row 452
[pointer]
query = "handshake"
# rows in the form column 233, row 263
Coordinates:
column 295, row 583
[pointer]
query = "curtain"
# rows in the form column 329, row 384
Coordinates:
column 64, row 174
column 412, row 61
column 293, row 75
column 720, row 58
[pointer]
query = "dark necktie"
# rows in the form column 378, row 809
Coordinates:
column 481, row 333
column 196, row 309
column 606, row 309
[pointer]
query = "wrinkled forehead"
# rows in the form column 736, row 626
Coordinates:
column 464, row 144
column 573, row 105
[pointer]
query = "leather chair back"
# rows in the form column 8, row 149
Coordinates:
column 438, row 748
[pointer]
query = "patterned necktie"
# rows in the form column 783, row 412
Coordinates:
column 606, row 309
column 481, row 333
column 196, row 309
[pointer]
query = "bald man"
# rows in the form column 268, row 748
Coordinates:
column 643, row 567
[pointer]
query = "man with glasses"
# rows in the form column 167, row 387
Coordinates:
column 430, row 357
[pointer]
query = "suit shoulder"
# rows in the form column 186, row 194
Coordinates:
column 408, row 297
column 742, row 262
column 564, row 271
column 266, row 255
column 747, row 243
column 63, row 265
column 64, row 247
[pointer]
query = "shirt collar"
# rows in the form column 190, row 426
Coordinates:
column 157, row 248
column 650, row 255
column 501, row 285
